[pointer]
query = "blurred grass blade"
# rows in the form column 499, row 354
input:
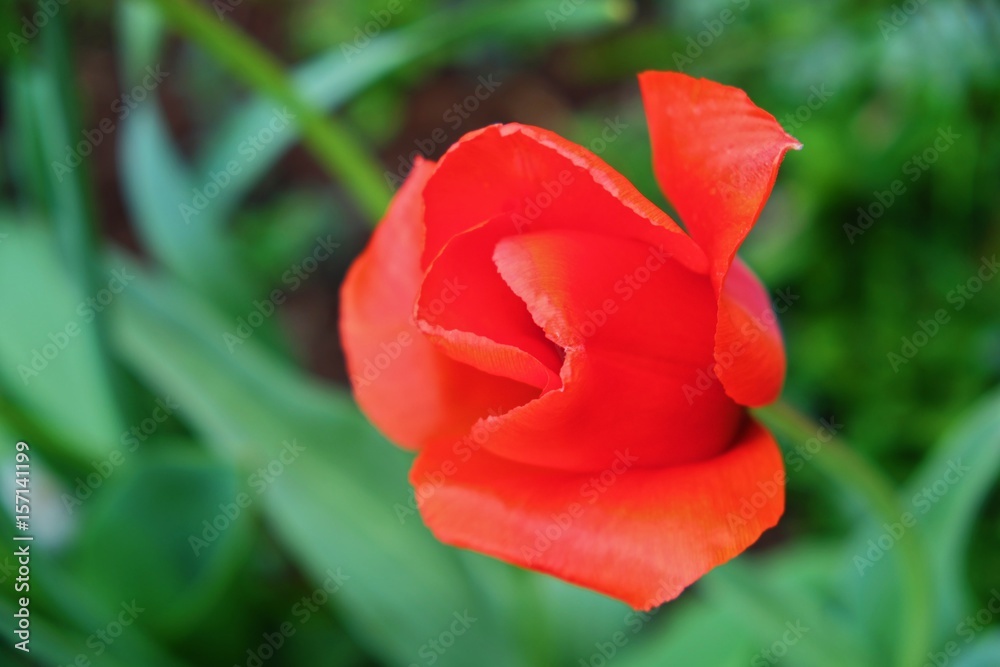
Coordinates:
column 330, row 80
column 161, row 193
column 333, row 145
column 68, row 195
column 46, row 130
column 326, row 82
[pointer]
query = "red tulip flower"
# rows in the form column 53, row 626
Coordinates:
column 571, row 366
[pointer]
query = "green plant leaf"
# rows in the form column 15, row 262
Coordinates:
column 53, row 366
column 332, row 505
column 161, row 195
column 943, row 514
column 974, row 443
column 185, row 520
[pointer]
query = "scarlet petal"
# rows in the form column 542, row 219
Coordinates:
column 637, row 329
column 640, row 535
column 543, row 182
column 413, row 392
column 716, row 156
column 749, row 352
column 469, row 311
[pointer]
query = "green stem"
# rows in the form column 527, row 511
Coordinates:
column 844, row 465
column 339, row 153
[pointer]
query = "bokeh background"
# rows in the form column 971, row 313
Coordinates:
column 203, row 490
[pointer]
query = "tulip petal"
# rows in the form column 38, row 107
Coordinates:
column 467, row 309
column 543, row 182
column 640, row 535
column 716, row 156
column 413, row 392
column 637, row 329
column 749, row 351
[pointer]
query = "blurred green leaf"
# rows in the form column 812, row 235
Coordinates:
column 794, row 590
column 945, row 511
column 334, row 507
column 69, row 624
column 162, row 196
column 52, row 363
column 141, row 32
column 185, row 519
column 68, row 201
column 942, row 517
column 974, row 443
column 688, row 635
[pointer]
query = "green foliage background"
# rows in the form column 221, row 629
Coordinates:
column 883, row 82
